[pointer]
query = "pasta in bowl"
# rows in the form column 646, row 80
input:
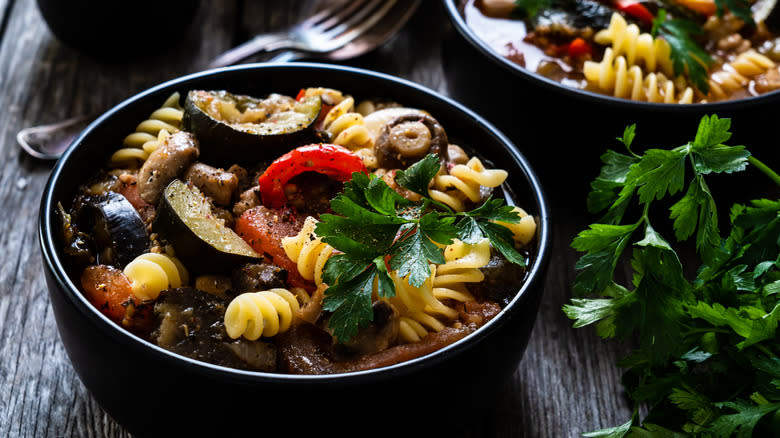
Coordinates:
column 383, row 256
column 679, row 52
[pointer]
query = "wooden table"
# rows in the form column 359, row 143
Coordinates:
column 567, row 383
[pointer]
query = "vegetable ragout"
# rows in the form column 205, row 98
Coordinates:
column 681, row 51
column 303, row 235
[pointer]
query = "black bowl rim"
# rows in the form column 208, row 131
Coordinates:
column 464, row 30
column 47, row 241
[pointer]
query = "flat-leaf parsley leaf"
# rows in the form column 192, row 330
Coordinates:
column 376, row 230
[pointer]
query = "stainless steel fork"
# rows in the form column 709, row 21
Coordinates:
column 329, row 29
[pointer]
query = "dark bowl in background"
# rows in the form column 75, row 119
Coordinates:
column 118, row 30
column 572, row 127
column 151, row 391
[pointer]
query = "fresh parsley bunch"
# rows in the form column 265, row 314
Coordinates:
column 376, row 229
column 706, row 362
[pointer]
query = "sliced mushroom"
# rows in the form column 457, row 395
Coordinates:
column 249, row 198
column 217, row 184
column 165, row 164
column 408, row 138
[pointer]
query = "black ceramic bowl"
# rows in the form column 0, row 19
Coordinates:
column 574, row 127
column 152, row 391
column 118, row 30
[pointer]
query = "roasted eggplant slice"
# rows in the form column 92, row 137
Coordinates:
column 191, row 323
column 118, row 232
column 185, row 219
column 243, row 129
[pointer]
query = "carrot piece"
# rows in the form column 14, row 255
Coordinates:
column 110, row 291
column 264, row 228
column 706, row 7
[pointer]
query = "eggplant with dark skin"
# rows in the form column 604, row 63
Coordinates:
column 502, row 279
column 570, row 15
column 118, row 234
column 191, row 323
column 377, row 336
column 242, row 129
column 185, row 219
column 258, row 276
column 77, row 244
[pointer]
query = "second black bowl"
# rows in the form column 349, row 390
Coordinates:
column 573, row 127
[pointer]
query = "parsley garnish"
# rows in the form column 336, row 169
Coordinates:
column 530, row 8
column 740, row 8
column 687, row 55
column 706, row 362
column 375, row 228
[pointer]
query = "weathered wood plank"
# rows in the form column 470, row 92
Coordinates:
column 42, row 81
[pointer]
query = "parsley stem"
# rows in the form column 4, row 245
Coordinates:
column 764, row 350
column 708, row 330
column 765, row 169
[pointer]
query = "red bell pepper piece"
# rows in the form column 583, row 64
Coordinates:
column 636, row 10
column 579, row 47
column 337, row 162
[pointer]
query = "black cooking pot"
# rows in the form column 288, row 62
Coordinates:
column 564, row 130
column 152, row 391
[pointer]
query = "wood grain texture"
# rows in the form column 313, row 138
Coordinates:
column 566, row 384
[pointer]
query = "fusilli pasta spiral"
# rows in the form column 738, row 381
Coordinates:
column 265, row 313
column 614, row 75
column 737, row 74
column 150, row 133
column 417, row 306
column 627, row 40
column 152, row 273
column 522, row 231
column 465, row 182
column 421, row 307
column 308, row 251
column 462, row 266
column 346, row 127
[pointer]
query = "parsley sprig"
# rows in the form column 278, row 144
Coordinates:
column 376, row 229
column 530, row 8
column 739, row 8
column 687, row 55
column 706, row 361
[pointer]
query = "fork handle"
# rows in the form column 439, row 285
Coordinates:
column 267, row 42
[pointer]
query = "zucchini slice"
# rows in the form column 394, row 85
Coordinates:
column 202, row 242
column 242, row 129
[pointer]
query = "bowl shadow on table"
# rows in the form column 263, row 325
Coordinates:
column 564, row 133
